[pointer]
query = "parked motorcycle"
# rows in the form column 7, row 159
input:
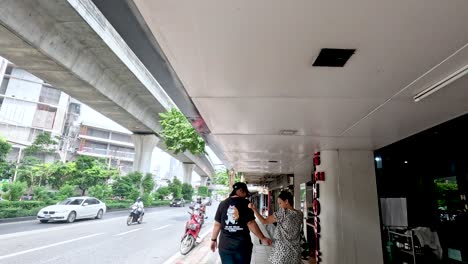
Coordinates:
column 192, row 229
column 135, row 216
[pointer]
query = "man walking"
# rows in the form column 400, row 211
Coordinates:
column 235, row 220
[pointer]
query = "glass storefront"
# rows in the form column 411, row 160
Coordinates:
column 422, row 185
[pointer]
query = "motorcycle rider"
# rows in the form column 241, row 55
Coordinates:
column 140, row 207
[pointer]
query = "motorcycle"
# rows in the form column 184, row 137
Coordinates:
column 135, row 216
column 192, row 229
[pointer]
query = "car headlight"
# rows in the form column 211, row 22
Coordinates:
column 61, row 212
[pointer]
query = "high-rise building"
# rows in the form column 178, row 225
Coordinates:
column 28, row 107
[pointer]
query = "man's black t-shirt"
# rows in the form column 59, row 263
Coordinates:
column 234, row 214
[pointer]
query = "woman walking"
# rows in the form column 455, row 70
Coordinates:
column 287, row 237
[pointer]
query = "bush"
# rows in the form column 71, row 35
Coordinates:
column 40, row 193
column 203, row 191
column 161, row 193
column 18, row 212
column 65, row 191
column 100, row 191
column 22, row 204
column 187, row 191
column 147, row 199
column 133, row 195
column 14, row 190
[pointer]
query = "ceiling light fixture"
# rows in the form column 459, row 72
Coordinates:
column 288, row 132
column 441, row 84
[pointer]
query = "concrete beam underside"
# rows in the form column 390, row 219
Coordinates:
column 86, row 59
column 73, row 47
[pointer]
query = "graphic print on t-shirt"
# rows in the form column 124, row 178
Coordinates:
column 232, row 225
column 232, row 214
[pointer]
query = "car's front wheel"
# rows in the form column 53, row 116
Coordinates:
column 44, row 221
column 71, row 217
column 99, row 214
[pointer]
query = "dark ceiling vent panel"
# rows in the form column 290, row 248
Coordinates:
column 333, row 57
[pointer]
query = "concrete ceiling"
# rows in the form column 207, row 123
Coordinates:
column 247, row 66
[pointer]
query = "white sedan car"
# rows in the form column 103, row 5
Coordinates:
column 73, row 208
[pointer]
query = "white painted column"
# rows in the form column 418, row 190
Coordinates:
column 203, row 180
column 350, row 228
column 144, row 146
column 187, row 172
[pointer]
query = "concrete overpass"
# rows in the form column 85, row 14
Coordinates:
column 71, row 45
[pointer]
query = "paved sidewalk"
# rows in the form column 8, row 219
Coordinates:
column 202, row 253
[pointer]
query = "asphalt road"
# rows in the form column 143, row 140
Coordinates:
column 108, row 240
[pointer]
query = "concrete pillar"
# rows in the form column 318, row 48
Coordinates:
column 349, row 218
column 144, row 146
column 187, row 172
column 203, row 180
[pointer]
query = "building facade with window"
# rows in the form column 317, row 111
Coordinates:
column 28, row 107
column 115, row 147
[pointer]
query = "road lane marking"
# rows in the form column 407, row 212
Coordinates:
column 131, row 231
column 67, row 226
column 48, row 246
column 162, row 227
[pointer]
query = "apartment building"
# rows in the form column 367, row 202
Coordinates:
column 28, row 107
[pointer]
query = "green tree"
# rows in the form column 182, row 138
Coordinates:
column 122, row 187
column 60, row 173
column 29, row 171
column 203, row 191
column 221, row 177
column 161, row 193
column 89, row 172
column 147, row 183
column 100, row 191
column 43, row 143
column 15, row 190
column 5, row 148
column 7, row 169
column 178, row 133
column 187, row 191
column 40, row 193
column 66, row 191
column 175, row 188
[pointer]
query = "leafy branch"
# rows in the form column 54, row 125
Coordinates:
column 178, row 133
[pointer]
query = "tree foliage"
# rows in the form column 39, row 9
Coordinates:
column 175, row 187
column 203, row 191
column 89, row 172
column 187, row 191
column 100, row 191
column 5, row 148
column 66, row 191
column 44, row 143
column 161, row 193
column 29, row 171
column 14, row 190
column 221, row 177
column 178, row 133
column 147, row 183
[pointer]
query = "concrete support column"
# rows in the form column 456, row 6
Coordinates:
column 203, row 180
column 144, row 146
column 187, row 172
column 349, row 218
